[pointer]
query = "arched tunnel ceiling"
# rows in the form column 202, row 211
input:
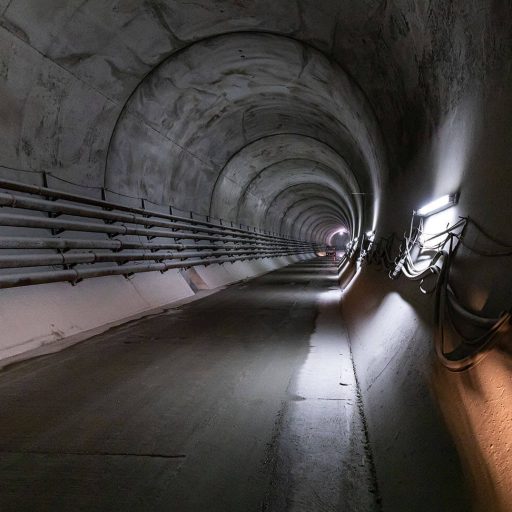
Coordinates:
column 272, row 180
column 242, row 130
column 311, row 204
column 284, row 207
column 287, row 153
column 156, row 98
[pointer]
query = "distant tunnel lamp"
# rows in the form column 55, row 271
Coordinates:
column 438, row 205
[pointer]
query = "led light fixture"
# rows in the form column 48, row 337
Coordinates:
column 438, row 205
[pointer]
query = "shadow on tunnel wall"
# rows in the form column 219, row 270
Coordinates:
column 81, row 102
column 416, row 462
column 442, row 440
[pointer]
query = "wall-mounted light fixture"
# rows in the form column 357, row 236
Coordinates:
column 438, row 205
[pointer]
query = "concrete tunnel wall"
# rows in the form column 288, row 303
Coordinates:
column 299, row 118
column 405, row 387
column 239, row 140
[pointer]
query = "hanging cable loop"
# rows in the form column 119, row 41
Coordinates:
column 449, row 311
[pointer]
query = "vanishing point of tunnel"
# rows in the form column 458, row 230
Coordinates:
column 255, row 255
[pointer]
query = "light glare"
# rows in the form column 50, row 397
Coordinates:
column 438, row 205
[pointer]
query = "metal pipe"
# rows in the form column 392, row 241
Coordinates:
column 43, row 205
column 37, row 260
column 220, row 244
column 57, row 194
column 75, row 275
column 119, row 229
column 65, row 244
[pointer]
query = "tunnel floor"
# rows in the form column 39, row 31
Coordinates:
column 242, row 401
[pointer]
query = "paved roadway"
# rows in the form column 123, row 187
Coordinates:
column 243, row 401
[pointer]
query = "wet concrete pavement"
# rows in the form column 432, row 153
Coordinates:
column 242, row 401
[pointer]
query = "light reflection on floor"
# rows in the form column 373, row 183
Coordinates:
column 321, row 460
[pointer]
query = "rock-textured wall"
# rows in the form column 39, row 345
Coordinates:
column 104, row 105
column 75, row 70
column 271, row 113
column 408, row 394
column 300, row 117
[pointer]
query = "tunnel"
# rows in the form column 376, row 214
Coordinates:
column 255, row 255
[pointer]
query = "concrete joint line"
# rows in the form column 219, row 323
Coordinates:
column 94, row 454
column 368, row 447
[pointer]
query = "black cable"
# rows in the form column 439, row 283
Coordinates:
column 471, row 349
column 508, row 245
